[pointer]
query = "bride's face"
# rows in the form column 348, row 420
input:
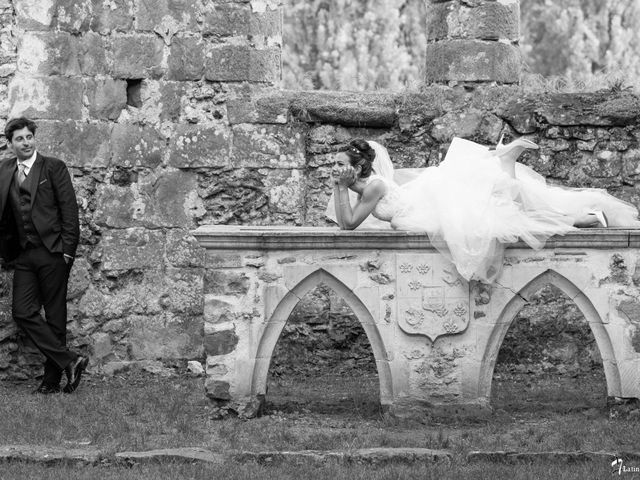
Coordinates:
column 341, row 161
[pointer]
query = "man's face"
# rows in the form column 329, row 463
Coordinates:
column 23, row 143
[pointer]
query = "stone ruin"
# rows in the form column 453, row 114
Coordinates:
column 169, row 115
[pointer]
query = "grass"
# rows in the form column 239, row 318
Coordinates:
column 233, row 471
column 141, row 411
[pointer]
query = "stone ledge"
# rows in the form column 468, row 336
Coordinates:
column 363, row 455
column 186, row 454
column 91, row 456
column 377, row 455
column 302, row 238
column 49, row 455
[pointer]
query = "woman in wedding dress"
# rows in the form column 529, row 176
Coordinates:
column 472, row 204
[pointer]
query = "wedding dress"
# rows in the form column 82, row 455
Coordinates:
column 471, row 208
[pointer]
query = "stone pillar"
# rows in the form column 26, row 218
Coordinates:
column 473, row 41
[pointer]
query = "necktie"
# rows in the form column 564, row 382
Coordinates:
column 21, row 174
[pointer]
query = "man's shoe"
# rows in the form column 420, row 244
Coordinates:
column 74, row 373
column 45, row 389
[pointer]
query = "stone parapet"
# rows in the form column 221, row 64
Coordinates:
column 435, row 337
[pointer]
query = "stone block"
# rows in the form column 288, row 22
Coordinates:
column 137, row 56
column 79, row 144
column 79, row 278
column 217, row 390
column 268, row 109
column 472, row 61
column 164, row 336
column 220, row 282
column 286, row 192
column 115, row 15
column 223, row 260
column 176, row 15
column 173, row 199
column 220, row 343
column 116, row 206
column 199, row 146
column 268, row 146
column 168, row 199
column 487, row 21
column 48, row 54
column 106, row 98
column 465, row 124
column 46, row 98
column 217, row 312
column 186, row 59
column 170, row 101
column 240, row 19
column 183, row 250
column 183, row 294
column 92, row 55
column 72, row 16
column 373, row 110
column 132, row 248
column 242, row 64
column 137, row 146
column 34, row 14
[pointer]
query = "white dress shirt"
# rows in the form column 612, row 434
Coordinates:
column 28, row 163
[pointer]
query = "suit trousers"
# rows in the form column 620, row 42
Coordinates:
column 40, row 280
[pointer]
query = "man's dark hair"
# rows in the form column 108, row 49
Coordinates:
column 17, row 124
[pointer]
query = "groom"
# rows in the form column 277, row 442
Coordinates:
column 39, row 233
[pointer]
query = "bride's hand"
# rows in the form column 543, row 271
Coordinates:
column 343, row 176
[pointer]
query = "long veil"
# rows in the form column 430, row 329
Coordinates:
column 382, row 162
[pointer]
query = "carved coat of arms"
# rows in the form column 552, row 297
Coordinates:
column 432, row 299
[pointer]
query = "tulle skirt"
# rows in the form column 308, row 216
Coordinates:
column 471, row 208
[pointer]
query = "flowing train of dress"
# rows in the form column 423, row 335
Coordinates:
column 471, row 208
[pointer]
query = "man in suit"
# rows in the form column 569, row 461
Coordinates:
column 39, row 233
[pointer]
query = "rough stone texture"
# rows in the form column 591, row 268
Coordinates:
column 137, row 56
column 106, row 98
column 135, row 145
column 50, row 455
column 233, row 64
column 196, row 146
column 220, row 343
column 240, row 19
column 93, row 55
column 166, row 16
column 376, row 456
column 487, row 21
column 472, row 61
column 52, row 98
column 186, row 60
column 133, row 248
column 48, row 54
column 173, row 455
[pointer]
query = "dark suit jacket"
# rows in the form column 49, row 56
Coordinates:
column 54, row 209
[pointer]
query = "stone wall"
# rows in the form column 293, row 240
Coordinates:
column 170, row 118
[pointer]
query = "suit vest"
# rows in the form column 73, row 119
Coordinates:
column 20, row 200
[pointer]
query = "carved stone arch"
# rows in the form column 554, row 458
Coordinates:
column 511, row 309
column 275, row 324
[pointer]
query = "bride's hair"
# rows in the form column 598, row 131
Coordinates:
column 360, row 153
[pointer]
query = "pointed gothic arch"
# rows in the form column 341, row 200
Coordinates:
column 511, row 309
column 275, row 324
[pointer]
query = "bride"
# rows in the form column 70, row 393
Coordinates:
column 472, row 204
